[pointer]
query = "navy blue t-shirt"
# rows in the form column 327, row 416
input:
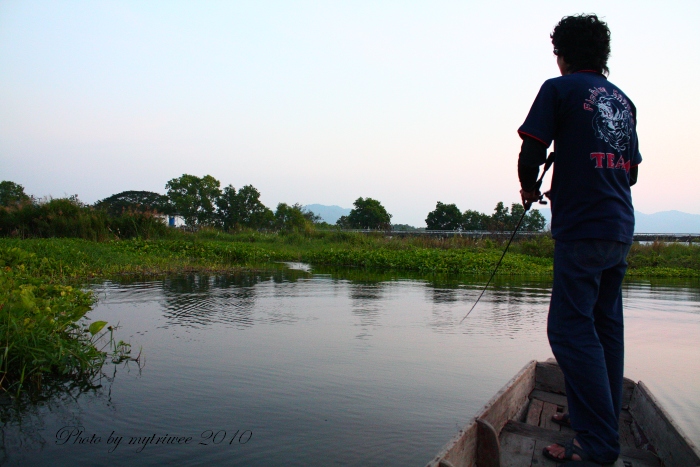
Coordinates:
column 593, row 126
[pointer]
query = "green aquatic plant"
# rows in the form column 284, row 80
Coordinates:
column 43, row 336
column 217, row 252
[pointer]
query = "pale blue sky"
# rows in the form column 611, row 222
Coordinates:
column 323, row 102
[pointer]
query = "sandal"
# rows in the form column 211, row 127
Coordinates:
column 583, row 464
column 565, row 420
column 569, row 450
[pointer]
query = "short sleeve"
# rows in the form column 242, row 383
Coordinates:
column 637, row 156
column 541, row 121
column 636, row 160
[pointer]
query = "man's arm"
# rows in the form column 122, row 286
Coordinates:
column 533, row 154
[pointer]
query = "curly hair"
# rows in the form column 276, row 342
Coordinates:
column 583, row 41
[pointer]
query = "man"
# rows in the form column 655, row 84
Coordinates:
column 593, row 126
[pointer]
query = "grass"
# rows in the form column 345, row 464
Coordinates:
column 660, row 259
column 214, row 251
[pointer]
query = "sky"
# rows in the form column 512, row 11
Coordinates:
column 323, row 102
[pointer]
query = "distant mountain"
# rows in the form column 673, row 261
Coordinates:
column 660, row 222
column 667, row 222
column 329, row 214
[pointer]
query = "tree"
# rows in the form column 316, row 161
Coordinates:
column 516, row 211
column 404, row 228
column 474, row 220
column 444, row 217
column 292, row 218
column 12, row 194
column 251, row 211
column 137, row 201
column 194, row 198
column 534, row 221
column 504, row 220
column 313, row 217
column 243, row 209
column 343, row 222
column 226, row 212
column 500, row 219
column 368, row 214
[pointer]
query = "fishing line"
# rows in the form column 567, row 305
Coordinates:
column 527, row 206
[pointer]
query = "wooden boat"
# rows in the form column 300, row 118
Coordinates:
column 515, row 426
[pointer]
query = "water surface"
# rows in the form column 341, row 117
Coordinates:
column 292, row 367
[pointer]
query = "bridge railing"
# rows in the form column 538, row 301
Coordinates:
column 638, row 237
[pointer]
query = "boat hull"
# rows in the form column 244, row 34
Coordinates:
column 516, row 424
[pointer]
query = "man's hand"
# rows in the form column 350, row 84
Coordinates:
column 530, row 197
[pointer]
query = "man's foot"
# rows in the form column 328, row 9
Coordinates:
column 571, row 451
column 562, row 419
column 584, row 464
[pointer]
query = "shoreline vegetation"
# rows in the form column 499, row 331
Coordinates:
column 50, row 250
column 76, row 261
column 47, row 345
column 47, row 341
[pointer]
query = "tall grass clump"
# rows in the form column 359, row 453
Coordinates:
column 669, row 259
column 541, row 246
column 69, row 218
column 136, row 224
column 61, row 217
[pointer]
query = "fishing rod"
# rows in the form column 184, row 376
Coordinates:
column 548, row 163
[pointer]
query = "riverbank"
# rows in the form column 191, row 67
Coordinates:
column 215, row 252
column 43, row 306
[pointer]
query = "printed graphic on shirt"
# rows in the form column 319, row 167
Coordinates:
column 611, row 161
column 612, row 118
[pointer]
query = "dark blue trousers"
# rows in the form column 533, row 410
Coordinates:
column 586, row 332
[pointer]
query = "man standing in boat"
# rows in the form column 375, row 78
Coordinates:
column 593, row 126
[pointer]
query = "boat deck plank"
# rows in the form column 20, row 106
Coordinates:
column 626, row 436
column 534, row 412
column 543, row 405
column 546, row 421
column 544, row 396
column 516, row 450
column 632, row 456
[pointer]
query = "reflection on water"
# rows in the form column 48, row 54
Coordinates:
column 28, row 425
column 201, row 300
column 319, row 364
column 660, row 296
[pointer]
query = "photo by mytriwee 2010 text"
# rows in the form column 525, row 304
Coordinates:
column 76, row 435
column 592, row 123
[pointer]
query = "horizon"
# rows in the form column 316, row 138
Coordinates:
column 548, row 216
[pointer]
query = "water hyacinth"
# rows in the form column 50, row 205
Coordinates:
column 41, row 326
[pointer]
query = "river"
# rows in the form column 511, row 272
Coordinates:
column 295, row 366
